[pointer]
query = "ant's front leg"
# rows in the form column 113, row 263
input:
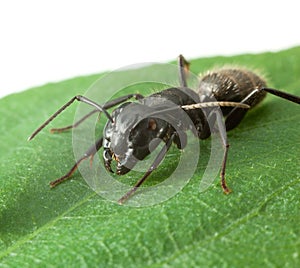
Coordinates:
column 89, row 153
column 107, row 105
column 76, row 98
column 154, row 165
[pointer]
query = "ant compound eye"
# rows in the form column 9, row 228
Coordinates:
column 152, row 124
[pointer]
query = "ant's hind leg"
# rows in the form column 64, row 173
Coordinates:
column 281, row 94
column 237, row 114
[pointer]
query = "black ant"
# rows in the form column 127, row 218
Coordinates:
column 126, row 137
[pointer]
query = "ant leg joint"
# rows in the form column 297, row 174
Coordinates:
column 78, row 97
column 138, row 96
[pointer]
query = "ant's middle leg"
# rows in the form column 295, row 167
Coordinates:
column 215, row 117
column 219, row 119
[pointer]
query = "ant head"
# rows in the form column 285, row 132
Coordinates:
column 131, row 136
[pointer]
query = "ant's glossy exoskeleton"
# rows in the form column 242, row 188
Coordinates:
column 127, row 137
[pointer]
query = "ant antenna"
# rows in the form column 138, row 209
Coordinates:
column 215, row 104
column 203, row 105
column 78, row 98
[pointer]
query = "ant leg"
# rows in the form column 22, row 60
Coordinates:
column 183, row 70
column 211, row 118
column 209, row 121
column 87, row 101
column 119, row 100
column 89, row 153
column 281, row 94
column 62, row 129
column 222, row 130
column 154, row 165
column 237, row 114
column 107, row 105
column 78, row 98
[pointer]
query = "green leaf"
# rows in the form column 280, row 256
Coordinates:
column 255, row 226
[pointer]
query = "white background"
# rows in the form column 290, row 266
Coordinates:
column 46, row 41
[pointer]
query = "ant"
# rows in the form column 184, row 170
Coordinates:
column 127, row 137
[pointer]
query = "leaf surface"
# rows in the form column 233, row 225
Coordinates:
column 257, row 225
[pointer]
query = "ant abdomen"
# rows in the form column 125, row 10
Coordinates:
column 231, row 84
